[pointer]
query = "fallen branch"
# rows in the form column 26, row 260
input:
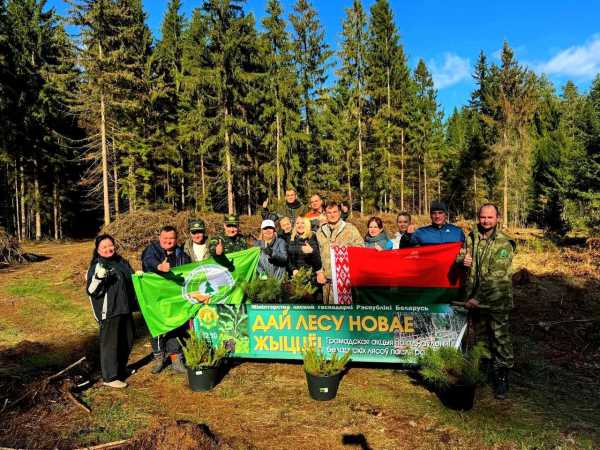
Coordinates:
column 66, row 369
column 66, row 390
column 115, row 444
column 78, row 402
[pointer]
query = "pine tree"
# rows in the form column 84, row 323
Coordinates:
column 311, row 57
column 231, row 68
column 281, row 112
column 425, row 130
column 166, row 63
column 352, row 76
column 511, row 101
column 390, row 91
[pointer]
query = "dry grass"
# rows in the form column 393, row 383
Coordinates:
column 266, row 404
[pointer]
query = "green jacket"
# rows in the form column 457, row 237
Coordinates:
column 230, row 245
column 489, row 279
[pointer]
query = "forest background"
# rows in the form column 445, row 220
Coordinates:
column 221, row 112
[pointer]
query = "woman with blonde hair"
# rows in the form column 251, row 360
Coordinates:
column 303, row 249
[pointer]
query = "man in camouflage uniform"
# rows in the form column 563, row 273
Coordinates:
column 335, row 232
column 487, row 254
column 231, row 240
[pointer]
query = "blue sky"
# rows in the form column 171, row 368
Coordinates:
column 559, row 38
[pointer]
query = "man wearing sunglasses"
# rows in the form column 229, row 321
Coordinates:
column 231, row 240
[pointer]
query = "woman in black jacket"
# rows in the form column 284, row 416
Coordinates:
column 111, row 293
column 303, row 249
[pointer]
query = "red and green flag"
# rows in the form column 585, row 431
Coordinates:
column 412, row 276
column 167, row 300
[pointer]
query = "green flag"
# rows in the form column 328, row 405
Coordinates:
column 167, row 300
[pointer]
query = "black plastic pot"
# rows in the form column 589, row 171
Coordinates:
column 458, row 397
column 323, row 388
column 202, row 378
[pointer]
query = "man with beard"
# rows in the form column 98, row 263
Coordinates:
column 487, row 255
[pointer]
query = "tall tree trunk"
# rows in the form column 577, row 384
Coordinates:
column 349, row 179
column 203, row 181
column 24, row 230
column 402, row 169
column 360, row 164
column 182, row 179
column 17, row 204
column 131, row 186
column 248, row 193
column 228, row 170
column 475, row 191
column 106, row 203
column 419, row 189
column 389, row 163
column 278, row 155
column 115, row 176
column 55, row 208
column 37, row 202
column 425, row 194
column 505, row 199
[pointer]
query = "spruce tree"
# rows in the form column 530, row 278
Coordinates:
column 311, row 57
column 352, row 75
column 390, row 91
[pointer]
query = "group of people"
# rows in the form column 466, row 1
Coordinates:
column 293, row 237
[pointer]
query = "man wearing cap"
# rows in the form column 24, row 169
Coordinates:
column 440, row 231
column 230, row 240
column 273, row 255
column 196, row 246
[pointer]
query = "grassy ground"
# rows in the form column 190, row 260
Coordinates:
column 46, row 323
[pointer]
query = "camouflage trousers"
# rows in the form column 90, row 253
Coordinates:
column 493, row 328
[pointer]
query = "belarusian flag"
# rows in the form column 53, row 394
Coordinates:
column 167, row 300
column 411, row 276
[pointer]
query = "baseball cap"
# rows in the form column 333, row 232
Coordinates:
column 231, row 219
column 437, row 205
column 267, row 224
column 197, row 225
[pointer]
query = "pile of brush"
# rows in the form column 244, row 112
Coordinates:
column 10, row 250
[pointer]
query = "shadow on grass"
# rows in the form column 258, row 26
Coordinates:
column 356, row 440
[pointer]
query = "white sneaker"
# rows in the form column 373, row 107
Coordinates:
column 118, row 384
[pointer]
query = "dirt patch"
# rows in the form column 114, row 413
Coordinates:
column 184, row 435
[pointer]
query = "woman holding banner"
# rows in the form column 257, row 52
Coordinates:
column 111, row 293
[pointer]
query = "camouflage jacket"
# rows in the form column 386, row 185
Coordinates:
column 344, row 233
column 230, row 245
column 489, row 279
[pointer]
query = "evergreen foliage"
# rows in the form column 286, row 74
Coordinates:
column 318, row 364
column 219, row 114
column 199, row 351
column 446, row 366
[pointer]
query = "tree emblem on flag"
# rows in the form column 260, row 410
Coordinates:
column 208, row 279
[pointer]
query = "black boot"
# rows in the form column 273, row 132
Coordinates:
column 160, row 362
column 501, row 383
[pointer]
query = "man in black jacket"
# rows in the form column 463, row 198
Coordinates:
column 159, row 257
